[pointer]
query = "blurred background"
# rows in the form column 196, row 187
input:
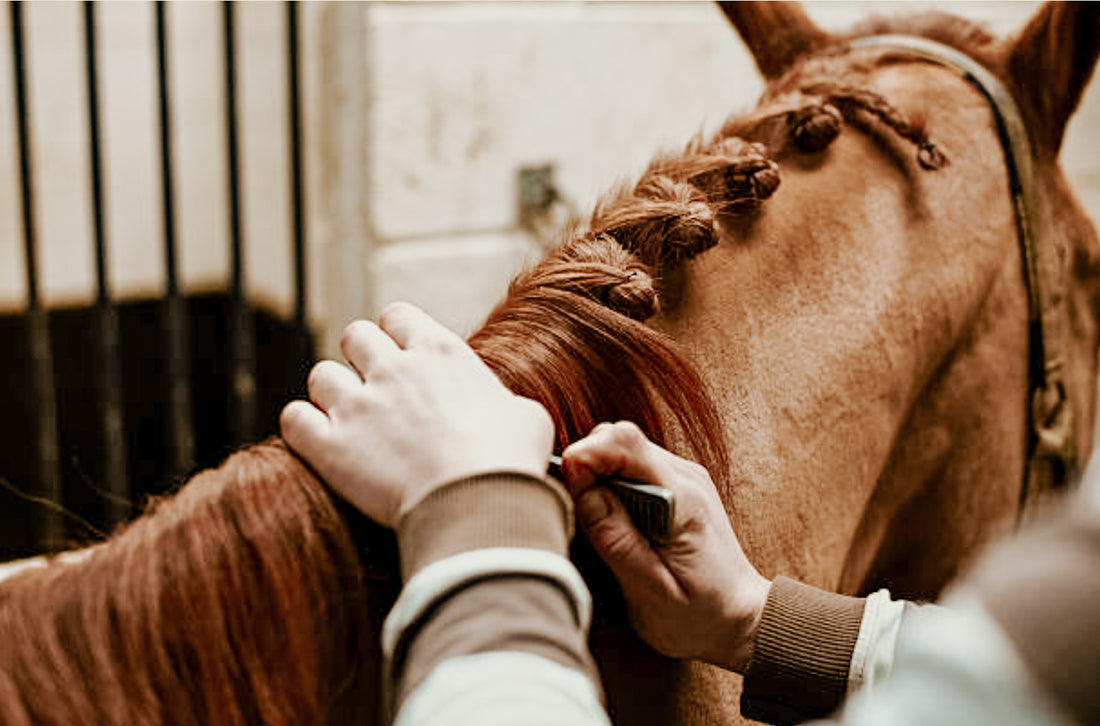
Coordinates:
column 196, row 197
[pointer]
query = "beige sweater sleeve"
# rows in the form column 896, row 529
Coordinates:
column 499, row 612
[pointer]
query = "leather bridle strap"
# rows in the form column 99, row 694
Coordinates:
column 1051, row 436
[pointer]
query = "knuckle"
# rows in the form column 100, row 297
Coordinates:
column 696, row 472
column 398, row 307
column 627, row 433
column 352, row 331
column 602, row 429
column 624, row 434
column 289, row 418
column 316, row 376
column 395, row 310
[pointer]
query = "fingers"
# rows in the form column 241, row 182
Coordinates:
column 618, row 449
column 328, row 382
column 410, row 326
column 363, row 343
column 303, row 427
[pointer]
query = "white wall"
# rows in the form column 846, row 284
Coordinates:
column 467, row 94
column 418, row 117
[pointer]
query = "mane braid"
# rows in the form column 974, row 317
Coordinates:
column 851, row 101
column 674, row 210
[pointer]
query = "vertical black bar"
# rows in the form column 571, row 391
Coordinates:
column 297, row 183
column 181, row 437
column 51, row 530
column 242, row 343
column 107, row 369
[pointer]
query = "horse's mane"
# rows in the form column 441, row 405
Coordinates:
column 570, row 335
column 240, row 600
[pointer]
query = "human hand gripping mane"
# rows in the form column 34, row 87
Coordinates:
column 415, row 410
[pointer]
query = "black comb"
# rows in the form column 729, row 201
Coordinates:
column 650, row 507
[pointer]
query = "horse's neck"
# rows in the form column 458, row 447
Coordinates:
column 954, row 476
column 859, row 352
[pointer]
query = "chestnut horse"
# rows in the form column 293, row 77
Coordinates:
column 894, row 384
column 881, row 385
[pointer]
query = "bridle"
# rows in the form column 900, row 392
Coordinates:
column 1051, row 440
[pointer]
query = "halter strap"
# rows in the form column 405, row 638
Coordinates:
column 1051, row 427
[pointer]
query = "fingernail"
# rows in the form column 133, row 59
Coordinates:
column 592, row 506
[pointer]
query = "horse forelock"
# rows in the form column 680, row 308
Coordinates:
column 571, row 335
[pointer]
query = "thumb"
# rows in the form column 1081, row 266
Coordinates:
column 615, row 538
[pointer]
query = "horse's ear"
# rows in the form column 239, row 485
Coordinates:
column 1049, row 63
column 777, row 33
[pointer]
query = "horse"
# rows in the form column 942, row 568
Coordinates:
column 825, row 303
column 896, row 312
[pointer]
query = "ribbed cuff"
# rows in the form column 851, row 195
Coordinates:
column 500, row 509
column 802, row 654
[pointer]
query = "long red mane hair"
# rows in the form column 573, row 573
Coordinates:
column 239, row 600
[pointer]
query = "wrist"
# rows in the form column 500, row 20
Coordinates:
column 737, row 646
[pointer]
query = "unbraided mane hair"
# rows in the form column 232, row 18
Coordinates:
column 241, row 600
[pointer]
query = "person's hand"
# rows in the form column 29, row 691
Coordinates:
column 695, row 595
column 417, row 409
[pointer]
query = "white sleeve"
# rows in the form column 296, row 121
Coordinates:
column 504, row 688
column 952, row 665
column 873, row 655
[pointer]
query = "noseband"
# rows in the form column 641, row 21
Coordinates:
column 1051, row 428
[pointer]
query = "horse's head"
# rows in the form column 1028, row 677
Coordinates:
column 860, row 307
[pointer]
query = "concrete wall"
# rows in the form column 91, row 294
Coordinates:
column 419, row 117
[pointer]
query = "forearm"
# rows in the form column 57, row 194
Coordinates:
column 492, row 608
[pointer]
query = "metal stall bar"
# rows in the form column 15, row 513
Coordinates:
column 107, row 351
column 297, row 182
column 242, row 339
column 51, row 530
column 181, row 435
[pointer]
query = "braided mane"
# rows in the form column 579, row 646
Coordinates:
column 570, row 332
